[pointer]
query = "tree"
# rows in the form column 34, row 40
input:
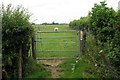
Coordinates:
column 81, row 24
column 102, row 19
column 105, row 24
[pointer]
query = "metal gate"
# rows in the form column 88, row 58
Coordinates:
column 57, row 44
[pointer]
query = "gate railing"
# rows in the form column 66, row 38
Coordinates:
column 36, row 41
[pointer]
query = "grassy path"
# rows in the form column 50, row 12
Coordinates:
column 52, row 65
column 76, row 68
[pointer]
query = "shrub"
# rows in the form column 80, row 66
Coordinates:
column 16, row 32
column 104, row 25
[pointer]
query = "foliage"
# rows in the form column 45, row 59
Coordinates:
column 114, row 46
column 35, row 70
column 97, row 57
column 105, row 27
column 16, row 32
column 102, row 21
column 104, row 24
column 81, row 24
column 53, row 23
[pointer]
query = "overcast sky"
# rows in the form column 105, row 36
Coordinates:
column 61, row 11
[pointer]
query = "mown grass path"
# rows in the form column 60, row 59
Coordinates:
column 52, row 66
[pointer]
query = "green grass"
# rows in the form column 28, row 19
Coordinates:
column 36, row 70
column 0, row 55
column 39, row 72
column 82, row 69
column 56, row 54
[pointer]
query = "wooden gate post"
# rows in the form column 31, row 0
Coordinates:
column 20, row 63
column 34, row 47
column 81, row 42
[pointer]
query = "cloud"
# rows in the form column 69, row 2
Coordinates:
column 59, row 10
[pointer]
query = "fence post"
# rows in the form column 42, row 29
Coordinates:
column 34, row 46
column 20, row 63
column 81, row 42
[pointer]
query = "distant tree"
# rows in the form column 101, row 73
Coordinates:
column 44, row 23
column 81, row 24
column 33, row 23
column 53, row 22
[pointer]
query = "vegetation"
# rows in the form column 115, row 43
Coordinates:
column 77, row 69
column 101, row 57
column 103, row 24
column 36, row 70
column 81, row 24
column 53, row 23
column 16, row 35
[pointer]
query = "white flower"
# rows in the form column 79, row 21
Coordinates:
column 101, row 51
column 73, row 69
column 76, row 61
column 73, row 66
column 95, row 64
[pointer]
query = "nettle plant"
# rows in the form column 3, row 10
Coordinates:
column 16, row 31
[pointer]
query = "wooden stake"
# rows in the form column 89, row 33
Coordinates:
column 20, row 63
column 33, row 47
column 81, row 42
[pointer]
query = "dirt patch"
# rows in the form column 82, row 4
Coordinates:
column 51, row 62
column 52, row 65
column 55, row 73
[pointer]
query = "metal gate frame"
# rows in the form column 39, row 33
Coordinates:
column 78, row 32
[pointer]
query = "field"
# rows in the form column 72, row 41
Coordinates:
column 60, row 47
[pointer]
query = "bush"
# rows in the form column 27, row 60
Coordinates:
column 16, row 32
column 30, row 66
column 104, row 25
column 81, row 24
column 102, row 21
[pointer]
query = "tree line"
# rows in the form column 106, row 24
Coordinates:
column 54, row 23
